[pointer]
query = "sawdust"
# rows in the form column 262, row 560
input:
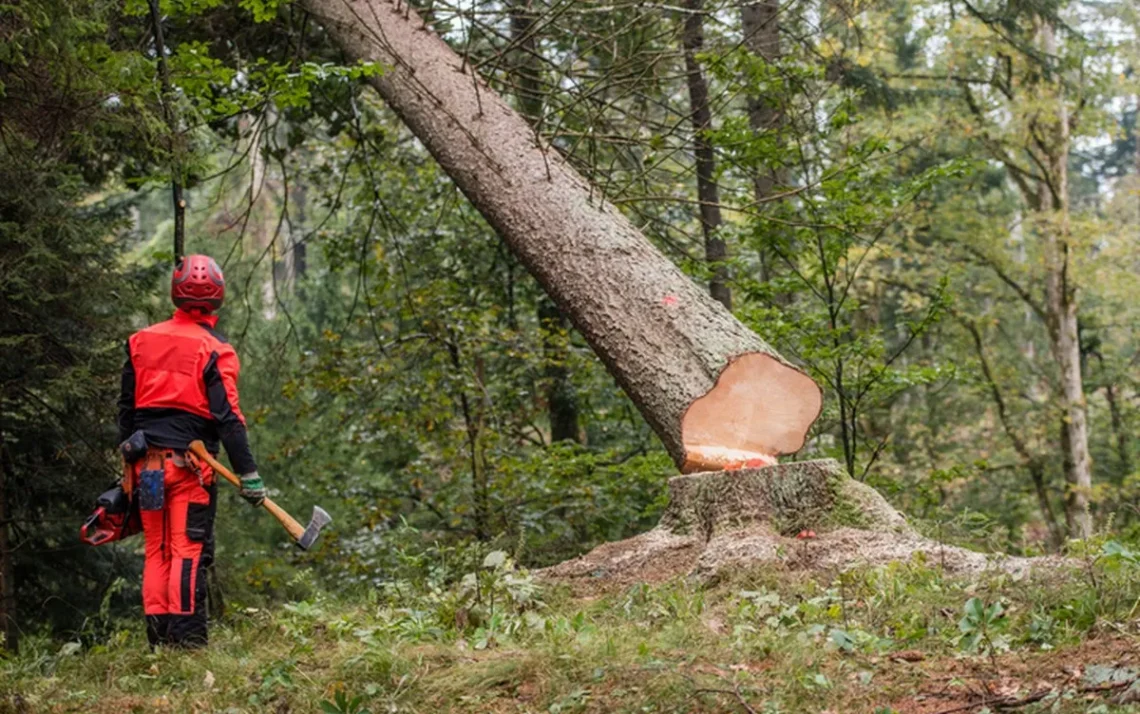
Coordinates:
column 660, row 555
column 653, row 557
column 724, row 521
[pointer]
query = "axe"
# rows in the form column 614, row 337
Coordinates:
column 304, row 536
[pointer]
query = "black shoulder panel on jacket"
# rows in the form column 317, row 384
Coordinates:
column 217, row 335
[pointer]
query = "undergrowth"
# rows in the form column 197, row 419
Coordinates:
column 903, row 638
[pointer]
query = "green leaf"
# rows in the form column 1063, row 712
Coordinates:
column 495, row 559
column 842, row 640
column 975, row 610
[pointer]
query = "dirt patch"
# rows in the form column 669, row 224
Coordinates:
column 943, row 684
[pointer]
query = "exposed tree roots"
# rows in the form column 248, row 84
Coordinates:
column 796, row 516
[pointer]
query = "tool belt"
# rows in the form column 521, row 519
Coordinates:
column 150, row 484
column 141, row 488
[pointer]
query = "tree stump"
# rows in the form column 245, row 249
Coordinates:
column 728, row 520
column 788, row 498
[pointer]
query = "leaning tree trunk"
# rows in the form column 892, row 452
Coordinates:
column 710, row 387
column 561, row 401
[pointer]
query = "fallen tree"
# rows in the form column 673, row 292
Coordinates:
column 712, row 389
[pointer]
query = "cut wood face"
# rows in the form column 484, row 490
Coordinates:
column 758, row 409
column 701, row 457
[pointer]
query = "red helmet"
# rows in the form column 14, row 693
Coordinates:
column 197, row 284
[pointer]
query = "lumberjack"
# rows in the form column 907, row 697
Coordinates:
column 179, row 386
column 179, row 400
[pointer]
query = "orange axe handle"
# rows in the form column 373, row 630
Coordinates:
column 295, row 529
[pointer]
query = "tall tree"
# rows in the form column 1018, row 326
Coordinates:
column 700, row 115
column 1024, row 88
column 1053, row 137
column 170, row 114
column 760, row 23
column 66, row 128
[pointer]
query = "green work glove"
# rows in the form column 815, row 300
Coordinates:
column 252, row 489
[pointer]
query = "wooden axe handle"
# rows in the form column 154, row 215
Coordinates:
column 295, row 529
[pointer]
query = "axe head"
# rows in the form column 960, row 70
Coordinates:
column 320, row 519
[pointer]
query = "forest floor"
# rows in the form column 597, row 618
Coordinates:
column 903, row 638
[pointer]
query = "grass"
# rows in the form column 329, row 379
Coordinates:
column 903, row 638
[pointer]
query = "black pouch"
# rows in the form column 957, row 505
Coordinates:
column 198, row 517
column 134, row 448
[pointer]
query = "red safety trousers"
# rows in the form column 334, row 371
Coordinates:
column 179, row 548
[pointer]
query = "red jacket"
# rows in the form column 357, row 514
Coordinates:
column 180, row 384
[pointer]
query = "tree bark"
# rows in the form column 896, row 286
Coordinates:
column 561, row 401
column 708, row 193
column 696, row 373
column 1061, row 316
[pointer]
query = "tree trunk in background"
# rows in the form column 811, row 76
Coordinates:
column 1119, row 430
column 561, row 401
column 1032, row 462
column 473, row 425
column 665, row 341
column 300, row 255
column 8, row 623
column 263, row 225
column 1061, row 317
column 759, row 22
column 692, row 38
column 172, row 125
